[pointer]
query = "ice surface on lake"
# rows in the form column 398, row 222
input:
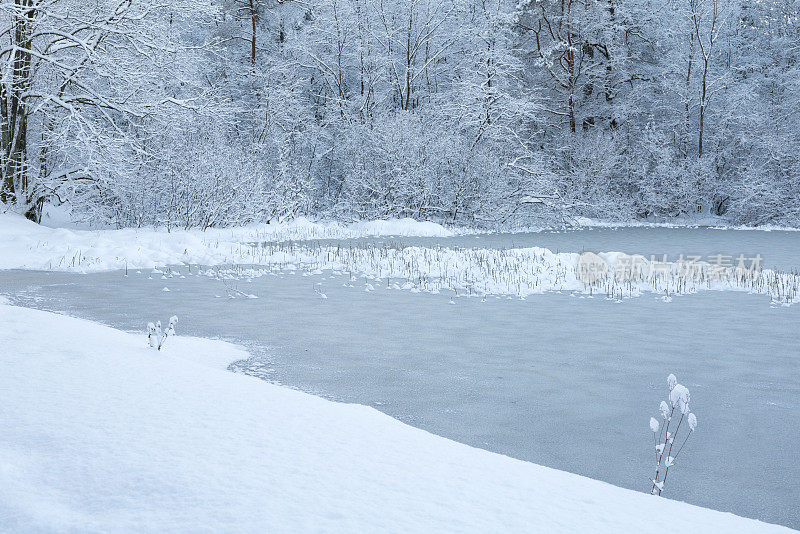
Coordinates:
column 780, row 249
column 559, row 379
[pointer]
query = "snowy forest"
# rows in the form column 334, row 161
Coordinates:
column 484, row 113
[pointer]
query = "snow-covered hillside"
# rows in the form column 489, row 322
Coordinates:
column 100, row 433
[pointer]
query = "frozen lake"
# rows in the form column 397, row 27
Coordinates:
column 778, row 248
column 563, row 380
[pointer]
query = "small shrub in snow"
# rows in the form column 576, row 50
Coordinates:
column 664, row 439
column 156, row 336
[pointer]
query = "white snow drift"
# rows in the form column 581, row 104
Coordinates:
column 98, row 432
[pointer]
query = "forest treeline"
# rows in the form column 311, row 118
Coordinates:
column 200, row 113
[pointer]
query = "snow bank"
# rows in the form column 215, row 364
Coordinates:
column 100, row 433
column 26, row 245
column 402, row 227
column 707, row 221
column 477, row 272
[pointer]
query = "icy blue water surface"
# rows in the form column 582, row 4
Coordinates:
column 562, row 380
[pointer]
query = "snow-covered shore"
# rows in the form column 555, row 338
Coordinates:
column 100, row 433
column 477, row 271
column 25, row 245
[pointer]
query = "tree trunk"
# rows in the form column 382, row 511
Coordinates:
column 14, row 110
column 253, row 15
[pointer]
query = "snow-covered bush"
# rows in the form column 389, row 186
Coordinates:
column 663, row 439
column 156, row 336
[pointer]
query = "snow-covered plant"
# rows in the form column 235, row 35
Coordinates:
column 153, row 334
column 663, row 438
column 156, row 336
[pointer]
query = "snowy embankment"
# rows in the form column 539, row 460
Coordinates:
column 477, row 272
column 717, row 223
column 25, row 245
column 100, row 433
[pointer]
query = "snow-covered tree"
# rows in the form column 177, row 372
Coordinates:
column 198, row 113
